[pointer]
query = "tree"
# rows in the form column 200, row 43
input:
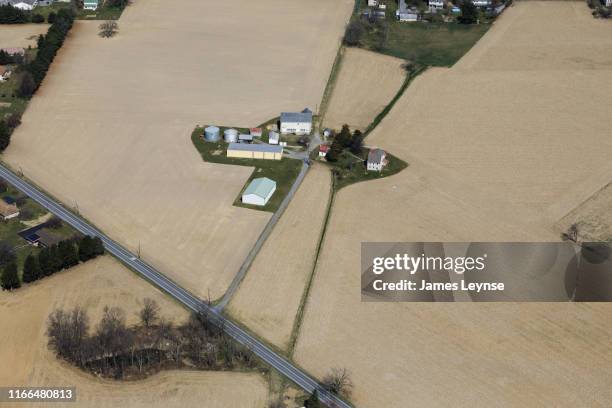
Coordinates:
column 68, row 254
column 356, row 142
column 7, row 253
column 344, row 137
column 86, row 248
column 469, row 13
column 54, row 222
column 31, row 269
column 98, row 246
column 6, row 58
column 313, row 400
column 10, row 277
column 67, row 333
column 338, row 382
column 117, row 3
column 38, row 19
column 12, row 15
column 51, row 17
column 5, row 135
column 13, row 120
column 353, row 33
column 149, row 314
column 108, row 29
column 27, row 86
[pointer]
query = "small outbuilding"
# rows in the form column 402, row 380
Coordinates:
column 256, row 132
column 244, row 138
column 8, row 211
column 377, row 159
column 273, row 138
column 323, row 149
column 259, row 191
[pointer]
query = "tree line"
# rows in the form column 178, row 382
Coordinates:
column 14, row 15
column 345, row 140
column 64, row 255
column 113, row 349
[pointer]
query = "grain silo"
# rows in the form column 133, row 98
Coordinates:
column 230, row 135
column 211, row 133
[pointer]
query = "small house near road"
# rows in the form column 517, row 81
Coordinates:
column 90, row 4
column 323, row 149
column 8, row 211
column 255, row 151
column 259, row 191
column 299, row 123
column 377, row 159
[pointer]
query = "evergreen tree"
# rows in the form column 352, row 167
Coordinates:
column 56, row 259
column 98, row 247
column 27, row 86
column 10, row 276
column 313, row 400
column 344, row 137
column 31, row 269
column 68, row 254
column 44, row 262
column 86, row 248
column 5, row 135
column 469, row 13
column 51, row 17
column 356, row 142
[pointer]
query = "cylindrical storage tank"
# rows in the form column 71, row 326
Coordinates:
column 211, row 133
column 230, row 135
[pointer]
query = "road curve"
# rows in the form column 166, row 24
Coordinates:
column 285, row 367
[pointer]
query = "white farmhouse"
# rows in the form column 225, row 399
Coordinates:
column 259, row 191
column 377, row 159
column 299, row 123
column 435, row 5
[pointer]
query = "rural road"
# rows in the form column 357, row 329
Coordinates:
column 285, row 367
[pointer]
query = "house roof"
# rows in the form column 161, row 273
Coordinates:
column 303, row 116
column 376, row 155
column 256, row 131
column 261, row 187
column 48, row 238
column 7, row 209
column 260, row 147
column 244, row 136
column 324, row 148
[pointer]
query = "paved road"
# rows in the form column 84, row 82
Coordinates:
column 262, row 238
column 274, row 359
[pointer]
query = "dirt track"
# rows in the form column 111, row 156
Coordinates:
column 28, row 362
column 109, row 131
column 270, row 294
column 366, row 84
column 500, row 147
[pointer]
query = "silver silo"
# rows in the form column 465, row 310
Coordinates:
column 230, row 135
column 211, row 133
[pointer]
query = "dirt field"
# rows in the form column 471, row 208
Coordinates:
column 500, row 148
column 109, row 131
column 28, row 362
column 21, row 35
column 366, row 84
column 284, row 264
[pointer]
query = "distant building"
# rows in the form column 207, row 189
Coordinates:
column 5, row 73
column 259, row 191
column 608, row 3
column 8, row 211
column 256, row 132
column 372, row 3
column 405, row 14
column 299, row 123
column 273, row 138
column 323, row 149
column 482, row 3
column 26, row 5
column 255, row 151
column 244, row 138
column 90, row 4
column 435, row 5
column 14, row 51
column 377, row 159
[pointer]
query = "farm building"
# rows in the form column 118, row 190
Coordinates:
column 405, row 14
column 435, row 5
column 244, row 138
column 377, row 159
column 259, row 191
column 273, row 138
column 299, row 123
column 14, row 51
column 8, row 211
column 256, row 132
column 323, row 149
column 230, row 135
column 255, row 151
column 90, row 4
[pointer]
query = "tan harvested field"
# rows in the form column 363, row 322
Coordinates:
column 593, row 217
column 21, row 35
column 501, row 147
column 366, row 83
column 110, row 129
column 270, row 295
column 26, row 360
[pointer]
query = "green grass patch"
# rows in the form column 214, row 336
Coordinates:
column 284, row 171
column 351, row 169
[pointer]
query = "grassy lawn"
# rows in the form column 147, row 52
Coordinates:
column 350, row 169
column 284, row 171
column 423, row 43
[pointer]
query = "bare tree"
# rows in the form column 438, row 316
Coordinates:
column 108, row 29
column 338, row 382
column 149, row 314
column 67, row 333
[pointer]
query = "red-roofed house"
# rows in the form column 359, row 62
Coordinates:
column 256, row 132
column 323, row 149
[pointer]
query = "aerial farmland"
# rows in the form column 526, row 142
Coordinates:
column 109, row 131
column 489, row 142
